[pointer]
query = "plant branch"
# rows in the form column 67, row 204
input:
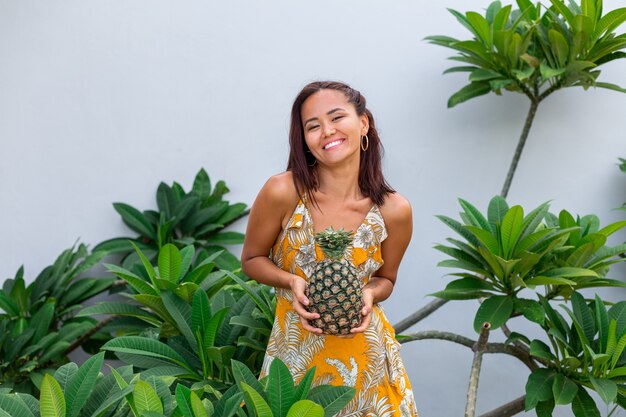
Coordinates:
column 507, row 410
column 79, row 342
column 520, row 354
column 472, row 389
column 420, row 314
column 534, row 103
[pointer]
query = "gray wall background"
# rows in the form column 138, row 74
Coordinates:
column 102, row 100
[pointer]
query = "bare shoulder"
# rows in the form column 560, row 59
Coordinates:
column 396, row 209
column 279, row 192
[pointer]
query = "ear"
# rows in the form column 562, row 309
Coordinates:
column 365, row 124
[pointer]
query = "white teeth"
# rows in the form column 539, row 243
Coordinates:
column 331, row 144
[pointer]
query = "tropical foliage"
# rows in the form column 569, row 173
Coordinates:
column 505, row 254
column 535, row 50
column 197, row 217
column 84, row 391
column 196, row 318
column 39, row 325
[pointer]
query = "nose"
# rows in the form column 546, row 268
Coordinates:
column 329, row 129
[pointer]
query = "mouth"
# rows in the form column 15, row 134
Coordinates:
column 333, row 144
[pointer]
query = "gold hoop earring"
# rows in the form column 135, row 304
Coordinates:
column 367, row 143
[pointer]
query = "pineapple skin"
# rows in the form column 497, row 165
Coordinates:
column 335, row 293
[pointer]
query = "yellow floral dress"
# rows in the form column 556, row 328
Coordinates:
column 369, row 361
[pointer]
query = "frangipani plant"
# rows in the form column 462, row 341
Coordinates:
column 534, row 50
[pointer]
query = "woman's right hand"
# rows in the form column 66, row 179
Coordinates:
column 300, row 301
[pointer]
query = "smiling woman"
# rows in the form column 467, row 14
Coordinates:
column 329, row 282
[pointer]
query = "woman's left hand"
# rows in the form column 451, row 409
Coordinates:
column 366, row 311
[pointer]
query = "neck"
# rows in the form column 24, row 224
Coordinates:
column 340, row 183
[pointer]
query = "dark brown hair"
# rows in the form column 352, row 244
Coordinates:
column 301, row 162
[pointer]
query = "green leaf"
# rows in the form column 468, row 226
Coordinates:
column 81, row 385
column 166, row 200
column 460, row 69
column 495, row 310
column 65, row 373
column 501, row 19
column 133, row 280
column 202, row 185
column 52, row 402
column 197, row 406
column 496, row 211
column 541, row 280
column 183, row 400
column 541, row 350
column 560, row 47
column 583, row 315
column 511, row 230
column 226, row 238
column 305, row 408
column 602, row 320
column 487, row 240
column 583, row 405
column 135, row 220
column 280, row 389
column 148, row 267
column 243, row 375
column 121, row 309
column 531, row 309
column 302, row 390
column 564, row 11
column 465, row 288
column 331, row 398
column 478, row 219
column 256, row 401
column 200, row 312
column 181, row 313
column 547, row 72
column 147, row 347
column 15, row 407
column 145, row 398
column 170, row 263
column 468, row 92
column 610, row 86
column 612, row 20
column 481, row 27
column 538, row 387
column 563, row 389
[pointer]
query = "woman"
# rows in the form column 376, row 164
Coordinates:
column 333, row 178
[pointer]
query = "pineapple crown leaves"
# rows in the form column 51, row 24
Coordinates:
column 334, row 242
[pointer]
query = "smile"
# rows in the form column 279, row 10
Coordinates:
column 333, row 144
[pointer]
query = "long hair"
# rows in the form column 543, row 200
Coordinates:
column 372, row 183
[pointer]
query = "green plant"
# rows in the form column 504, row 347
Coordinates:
column 588, row 354
column 535, row 51
column 183, row 218
column 505, row 252
column 277, row 395
column 197, row 319
column 39, row 326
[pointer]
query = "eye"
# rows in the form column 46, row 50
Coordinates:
column 312, row 127
column 337, row 118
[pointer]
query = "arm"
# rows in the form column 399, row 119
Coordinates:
column 275, row 200
column 398, row 216
column 264, row 225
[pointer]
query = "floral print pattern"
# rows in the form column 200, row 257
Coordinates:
column 369, row 361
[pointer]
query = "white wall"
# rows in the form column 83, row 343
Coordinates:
column 100, row 101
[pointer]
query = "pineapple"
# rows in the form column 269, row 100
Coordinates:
column 334, row 289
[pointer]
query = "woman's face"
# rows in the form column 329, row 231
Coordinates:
column 332, row 128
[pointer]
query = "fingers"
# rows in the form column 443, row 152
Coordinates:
column 306, row 326
column 366, row 319
column 302, row 312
